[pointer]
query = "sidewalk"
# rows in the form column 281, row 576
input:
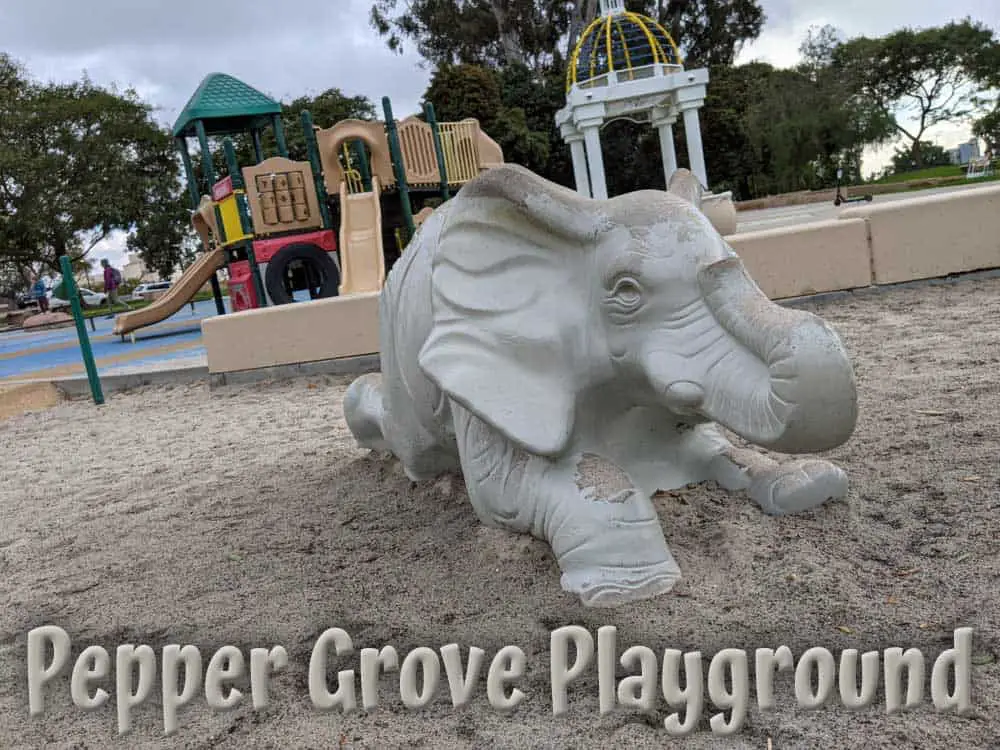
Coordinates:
column 171, row 344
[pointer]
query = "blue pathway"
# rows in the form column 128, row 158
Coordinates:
column 24, row 352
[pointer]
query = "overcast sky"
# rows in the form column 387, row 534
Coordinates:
column 288, row 49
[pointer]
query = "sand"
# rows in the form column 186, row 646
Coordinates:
column 246, row 516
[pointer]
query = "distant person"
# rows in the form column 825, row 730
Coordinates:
column 40, row 290
column 112, row 280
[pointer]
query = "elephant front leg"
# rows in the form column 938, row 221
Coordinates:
column 607, row 541
column 779, row 488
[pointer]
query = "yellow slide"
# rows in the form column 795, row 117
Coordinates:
column 362, row 264
column 179, row 294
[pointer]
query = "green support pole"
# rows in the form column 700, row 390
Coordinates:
column 69, row 284
column 396, row 153
column 209, row 174
column 233, row 167
column 258, row 148
column 192, row 180
column 438, row 148
column 317, row 168
column 279, row 135
column 363, row 166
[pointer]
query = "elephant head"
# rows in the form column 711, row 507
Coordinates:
column 540, row 295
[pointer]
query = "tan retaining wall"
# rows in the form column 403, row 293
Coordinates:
column 923, row 237
column 290, row 334
column 934, row 235
column 824, row 256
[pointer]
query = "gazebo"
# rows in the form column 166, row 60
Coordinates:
column 626, row 66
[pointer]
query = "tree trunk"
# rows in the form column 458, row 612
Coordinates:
column 509, row 39
column 584, row 11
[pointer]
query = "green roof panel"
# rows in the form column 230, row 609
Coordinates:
column 227, row 101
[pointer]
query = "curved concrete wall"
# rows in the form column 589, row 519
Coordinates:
column 825, row 256
column 904, row 240
column 935, row 235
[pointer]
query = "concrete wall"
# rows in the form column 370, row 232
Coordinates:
column 935, row 235
column 290, row 334
column 903, row 240
column 794, row 261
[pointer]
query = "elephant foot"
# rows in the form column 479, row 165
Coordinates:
column 612, row 552
column 798, row 485
column 363, row 412
column 608, row 586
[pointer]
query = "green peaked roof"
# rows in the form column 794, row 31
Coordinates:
column 226, row 105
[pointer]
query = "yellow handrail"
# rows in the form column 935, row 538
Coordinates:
column 351, row 175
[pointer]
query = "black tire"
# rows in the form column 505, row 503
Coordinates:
column 836, row 201
column 277, row 269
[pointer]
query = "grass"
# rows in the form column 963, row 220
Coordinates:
column 930, row 173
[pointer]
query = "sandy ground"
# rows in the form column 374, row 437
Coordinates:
column 247, row 516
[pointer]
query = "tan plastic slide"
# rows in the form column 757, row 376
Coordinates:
column 362, row 264
column 179, row 294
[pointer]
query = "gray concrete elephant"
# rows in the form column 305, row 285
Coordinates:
column 573, row 356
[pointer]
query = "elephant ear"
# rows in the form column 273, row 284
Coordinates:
column 685, row 185
column 510, row 294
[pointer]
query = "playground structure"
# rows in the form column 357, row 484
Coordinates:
column 282, row 226
column 626, row 66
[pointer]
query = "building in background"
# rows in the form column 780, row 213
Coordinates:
column 964, row 152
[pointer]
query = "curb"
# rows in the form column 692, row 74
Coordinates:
column 863, row 291
column 359, row 365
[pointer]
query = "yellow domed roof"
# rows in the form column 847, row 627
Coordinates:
column 620, row 41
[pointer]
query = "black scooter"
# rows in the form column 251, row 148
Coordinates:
column 841, row 198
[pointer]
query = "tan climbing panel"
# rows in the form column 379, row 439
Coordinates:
column 282, row 196
column 371, row 133
column 416, row 141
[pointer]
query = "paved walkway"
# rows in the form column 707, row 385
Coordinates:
column 55, row 353
column 785, row 216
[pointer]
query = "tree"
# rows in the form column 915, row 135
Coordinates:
column 931, row 155
column 78, row 162
column 541, row 33
column 987, row 127
column 931, row 76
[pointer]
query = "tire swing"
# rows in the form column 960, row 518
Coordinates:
column 317, row 263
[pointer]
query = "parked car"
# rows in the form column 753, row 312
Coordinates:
column 138, row 294
column 90, row 299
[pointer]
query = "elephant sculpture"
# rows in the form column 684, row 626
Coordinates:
column 571, row 357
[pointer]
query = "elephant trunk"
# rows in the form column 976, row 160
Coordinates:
column 789, row 386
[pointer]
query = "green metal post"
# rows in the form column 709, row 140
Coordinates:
column 438, row 147
column 312, row 148
column 279, row 135
column 246, row 223
column 192, row 180
column 69, row 285
column 363, row 167
column 258, row 148
column 209, row 173
column 396, row 153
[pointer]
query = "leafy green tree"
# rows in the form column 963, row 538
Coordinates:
column 987, row 127
column 541, row 33
column 931, row 75
column 931, row 155
column 78, row 162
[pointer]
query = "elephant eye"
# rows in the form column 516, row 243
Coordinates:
column 626, row 293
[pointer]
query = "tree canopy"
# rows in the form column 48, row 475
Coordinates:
column 77, row 162
column 930, row 75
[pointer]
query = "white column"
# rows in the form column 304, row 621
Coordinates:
column 592, row 139
column 578, row 151
column 692, row 134
column 667, row 151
